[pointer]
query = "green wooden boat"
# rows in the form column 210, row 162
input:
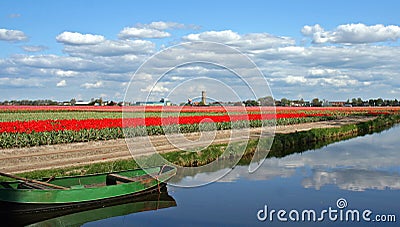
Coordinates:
column 120, row 206
column 67, row 192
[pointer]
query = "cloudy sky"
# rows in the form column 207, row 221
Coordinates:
column 304, row 49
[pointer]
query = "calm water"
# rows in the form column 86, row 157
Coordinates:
column 365, row 171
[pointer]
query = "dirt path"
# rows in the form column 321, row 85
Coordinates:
column 18, row 160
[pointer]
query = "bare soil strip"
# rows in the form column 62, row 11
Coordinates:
column 19, row 160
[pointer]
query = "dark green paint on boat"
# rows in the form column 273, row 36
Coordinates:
column 83, row 189
column 89, row 212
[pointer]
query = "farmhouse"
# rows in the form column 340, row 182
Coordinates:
column 162, row 102
column 337, row 103
column 82, row 103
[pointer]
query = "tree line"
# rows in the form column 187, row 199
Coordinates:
column 264, row 101
column 270, row 101
column 48, row 102
column 373, row 102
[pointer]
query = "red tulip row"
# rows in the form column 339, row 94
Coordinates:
column 77, row 125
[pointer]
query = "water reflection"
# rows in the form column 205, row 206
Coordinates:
column 369, row 162
column 353, row 179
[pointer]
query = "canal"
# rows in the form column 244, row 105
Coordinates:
column 354, row 182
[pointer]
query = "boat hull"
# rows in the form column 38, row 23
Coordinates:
column 13, row 214
column 7, row 207
column 84, row 189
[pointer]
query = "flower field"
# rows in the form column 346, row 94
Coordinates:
column 22, row 126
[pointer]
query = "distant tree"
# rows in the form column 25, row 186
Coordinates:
column 267, row 101
column 354, row 101
column 386, row 102
column 359, row 102
column 285, row 102
column 251, row 103
column 316, row 102
column 371, row 102
column 379, row 102
column 111, row 103
column 73, row 102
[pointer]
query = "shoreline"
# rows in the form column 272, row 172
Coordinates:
column 20, row 160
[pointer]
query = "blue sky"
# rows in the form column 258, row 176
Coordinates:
column 62, row 49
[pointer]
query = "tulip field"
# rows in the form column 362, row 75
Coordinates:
column 24, row 126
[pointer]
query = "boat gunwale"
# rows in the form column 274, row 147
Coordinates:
column 84, row 176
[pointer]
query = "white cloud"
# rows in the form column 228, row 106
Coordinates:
column 360, row 33
column 55, row 62
column 154, row 30
column 311, row 30
column 295, row 79
column 159, row 87
column 353, row 33
column 62, row 83
column 339, row 81
column 167, row 25
column 112, row 48
column 321, row 78
column 142, row 33
column 143, row 76
column 98, row 84
column 261, row 41
column 20, row 82
column 319, row 72
column 177, row 78
column 75, row 38
column 252, row 41
column 216, row 36
column 12, row 35
column 162, row 25
column 34, row 48
column 291, row 50
column 67, row 73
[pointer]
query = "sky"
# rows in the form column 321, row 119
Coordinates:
column 135, row 50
